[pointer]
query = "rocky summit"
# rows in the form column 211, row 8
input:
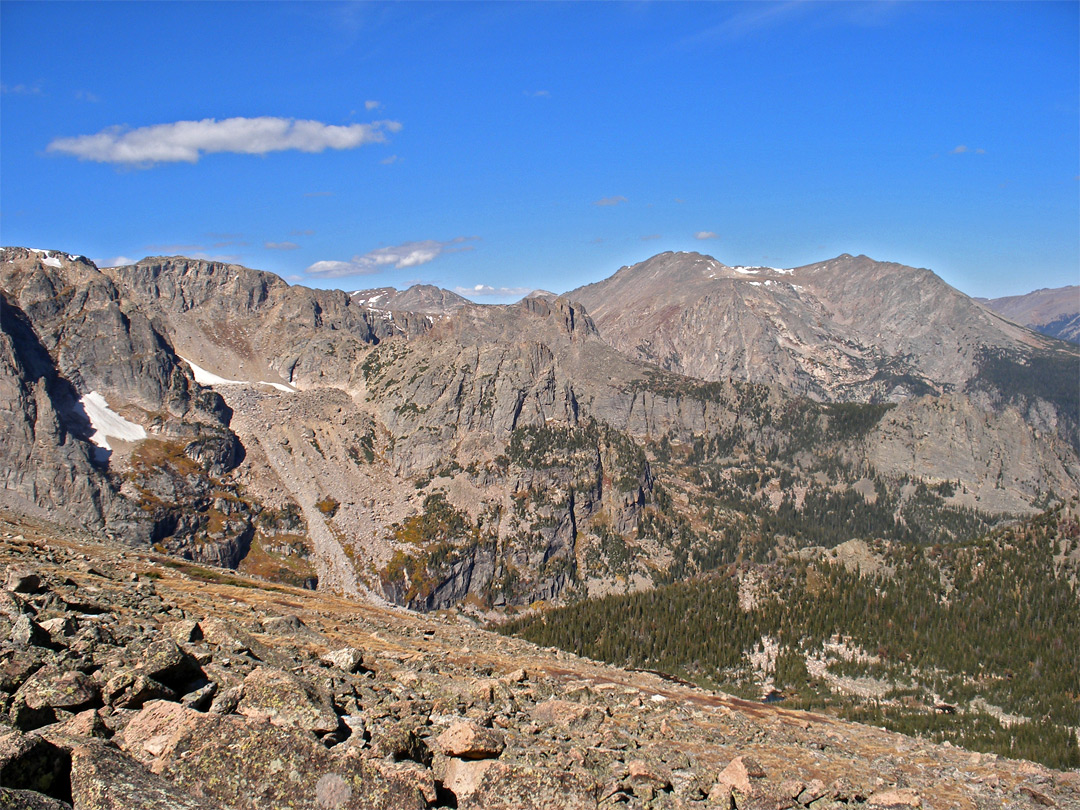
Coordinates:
column 133, row 681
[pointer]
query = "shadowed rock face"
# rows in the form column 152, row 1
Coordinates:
column 65, row 333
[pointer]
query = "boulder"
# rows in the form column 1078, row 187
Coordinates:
column 348, row 659
column 285, row 700
column 467, row 740
column 166, row 663
column 739, row 773
column 103, row 778
column 51, row 687
column 28, row 762
column 245, row 765
column 25, row 632
column 520, row 787
column 22, row 580
column 29, row 800
column 562, row 713
column 895, row 798
column 128, row 689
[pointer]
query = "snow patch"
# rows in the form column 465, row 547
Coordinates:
column 51, row 261
column 279, row 386
column 204, row 377
column 107, row 423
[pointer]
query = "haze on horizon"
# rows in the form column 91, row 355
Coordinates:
column 497, row 148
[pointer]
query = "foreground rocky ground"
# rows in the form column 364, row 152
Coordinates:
column 129, row 680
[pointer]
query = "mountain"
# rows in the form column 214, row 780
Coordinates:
column 500, row 454
column 1053, row 312
column 493, row 459
column 848, row 329
column 423, row 298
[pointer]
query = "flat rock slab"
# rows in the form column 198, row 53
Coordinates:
column 287, row 701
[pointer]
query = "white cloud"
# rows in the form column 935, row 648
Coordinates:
column 187, row 141
column 372, row 105
column 486, row 291
column 611, row 200
column 388, row 161
column 407, row 254
column 706, row 235
column 959, row 150
column 115, row 261
column 280, row 245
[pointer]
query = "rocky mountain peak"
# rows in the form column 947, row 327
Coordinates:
column 847, row 328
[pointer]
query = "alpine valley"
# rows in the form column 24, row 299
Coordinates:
column 847, row 486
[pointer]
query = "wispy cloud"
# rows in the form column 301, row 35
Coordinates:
column 611, row 200
column 176, row 249
column 280, row 245
column 187, row 141
column 650, row 237
column 407, row 254
column 963, row 149
column 372, row 105
column 538, row 93
column 748, row 21
column 486, row 291
column 21, row 89
column 86, row 95
column 115, row 261
column 706, row 235
column 388, row 161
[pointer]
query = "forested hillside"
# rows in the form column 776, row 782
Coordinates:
column 976, row 642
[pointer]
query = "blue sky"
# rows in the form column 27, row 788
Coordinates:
column 501, row 147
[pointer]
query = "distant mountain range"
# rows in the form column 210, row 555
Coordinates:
column 676, row 417
column 1053, row 312
column 847, row 329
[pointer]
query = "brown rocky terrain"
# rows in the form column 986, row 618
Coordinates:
column 1054, row 312
column 850, row 328
column 131, row 680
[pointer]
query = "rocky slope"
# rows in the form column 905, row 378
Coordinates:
column 495, row 455
column 131, row 681
column 848, row 329
column 1053, row 312
column 423, row 298
column 88, row 382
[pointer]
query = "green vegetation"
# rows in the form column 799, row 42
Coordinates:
column 1049, row 375
column 997, row 618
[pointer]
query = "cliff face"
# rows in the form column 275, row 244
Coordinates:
column 505, row 454
column 90, row 382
